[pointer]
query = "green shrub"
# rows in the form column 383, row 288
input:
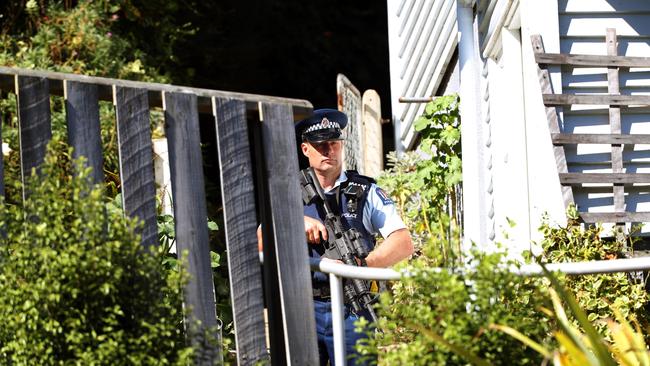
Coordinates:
column 75, row 285
column 589, row 348
column 597, row 294
column 447, row 317
column 458, row 307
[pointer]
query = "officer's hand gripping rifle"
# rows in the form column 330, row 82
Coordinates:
column 344, row 244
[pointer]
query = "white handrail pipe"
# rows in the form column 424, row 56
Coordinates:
column 338, row 318
column 571, row 269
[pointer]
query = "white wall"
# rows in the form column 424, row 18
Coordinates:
column 515, row 159
column 509, row 157
column 544, row 190
column 422, row 40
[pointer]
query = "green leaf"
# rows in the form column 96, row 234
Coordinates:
column 431, row 107
column 450, row 135
column 212, row 226
column 421, row 123
column 425, row 146
column 523, row 339
column 214, row 259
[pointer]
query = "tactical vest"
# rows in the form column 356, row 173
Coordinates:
column 347, row 200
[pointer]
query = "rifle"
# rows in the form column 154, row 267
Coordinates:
column 344, row 244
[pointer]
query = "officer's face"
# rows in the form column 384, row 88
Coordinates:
column 324, row 155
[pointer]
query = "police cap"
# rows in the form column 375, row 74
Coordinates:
column 323, row 125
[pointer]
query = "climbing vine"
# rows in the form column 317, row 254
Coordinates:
column 425, row 182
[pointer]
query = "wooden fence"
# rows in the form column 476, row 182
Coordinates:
column 258, row 170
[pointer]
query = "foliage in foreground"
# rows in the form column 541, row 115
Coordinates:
column 75, row 285
column 598, row 295
column 450, row 317
column 588, row 348
column 458, row 308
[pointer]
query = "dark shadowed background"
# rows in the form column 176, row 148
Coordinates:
column 287, row 48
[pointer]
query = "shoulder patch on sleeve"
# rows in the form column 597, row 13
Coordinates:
column 383, row 196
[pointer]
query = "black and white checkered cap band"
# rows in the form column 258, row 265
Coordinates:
column 323, row 125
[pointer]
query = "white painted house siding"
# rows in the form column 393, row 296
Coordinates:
column 582, row 29
column 504, row 121
column 422, row 40
column 509, row 170
column 515, row 161
column 544, row 190
column 523, row 175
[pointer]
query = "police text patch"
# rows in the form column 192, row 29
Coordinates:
column 384, row 197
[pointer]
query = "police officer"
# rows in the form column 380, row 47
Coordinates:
column 361, row 204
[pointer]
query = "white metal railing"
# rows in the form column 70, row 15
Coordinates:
column 338, row 271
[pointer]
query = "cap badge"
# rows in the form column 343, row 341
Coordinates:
column 324, row 124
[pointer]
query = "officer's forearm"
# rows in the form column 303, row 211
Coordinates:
column 396, row 247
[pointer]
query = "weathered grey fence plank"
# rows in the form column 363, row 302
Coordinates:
column 614, row 217
column 281, row 165
column 605, row 178
column 136, row 160
column 186, row 166
column 82, row 116
column 605, row 138
column 591, row 60
column 270, row 269
column 552, row 120
column 239, row 217
column 620, row 100
column 34, row 121
column 615, row 120
column 7, row 75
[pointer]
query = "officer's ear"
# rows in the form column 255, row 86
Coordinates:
column 304, row 147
